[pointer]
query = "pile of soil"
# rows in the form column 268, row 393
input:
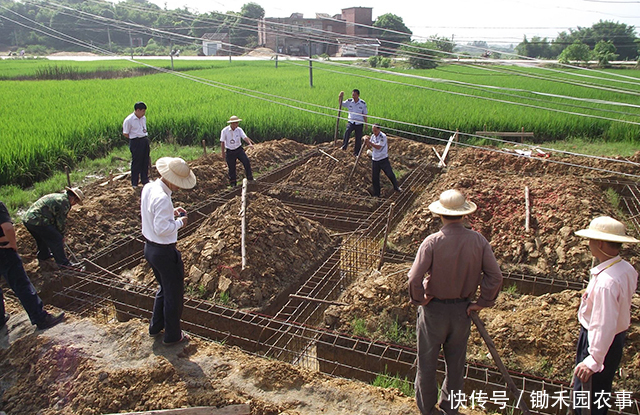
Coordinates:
column 83, row 367
column 112, row 210
column 560, row 205
column 281, row 248
column 534, row 335
column 318, row 180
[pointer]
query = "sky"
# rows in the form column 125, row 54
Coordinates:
column 494, row 21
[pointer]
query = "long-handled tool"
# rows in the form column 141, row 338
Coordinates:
column 75, row 258
column 496, row 358
column 335, row 134
column 354, row 166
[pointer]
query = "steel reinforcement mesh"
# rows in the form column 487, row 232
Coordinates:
column 295, row 333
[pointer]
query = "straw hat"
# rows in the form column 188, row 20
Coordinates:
column 77, row 193
column 452, row 203
column 234, row 119
column 176, row 171
column 605, row 228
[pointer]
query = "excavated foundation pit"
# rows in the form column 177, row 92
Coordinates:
column 292, row 330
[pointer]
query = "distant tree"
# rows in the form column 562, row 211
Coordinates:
column 392, row 31
column 622, row 36
column 577, row 52
column 604, row 52
column 536, row 48
column 427, row 55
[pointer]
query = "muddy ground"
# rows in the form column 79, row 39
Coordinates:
column 89, row 366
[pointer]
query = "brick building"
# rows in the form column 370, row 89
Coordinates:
column 337, row 35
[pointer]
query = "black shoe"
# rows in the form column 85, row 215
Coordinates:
column 50, row 320
column 4, row 320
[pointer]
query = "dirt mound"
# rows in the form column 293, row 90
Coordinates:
column 112, row 208
column 281, row 248
column 535, row 335
column 84, row 367
column 556, row 163
column 560, row 205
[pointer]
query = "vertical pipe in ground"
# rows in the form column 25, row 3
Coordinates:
column 243, row 214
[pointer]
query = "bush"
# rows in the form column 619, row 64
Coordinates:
column 379, row 62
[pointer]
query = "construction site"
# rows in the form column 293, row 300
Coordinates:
column 319, row 300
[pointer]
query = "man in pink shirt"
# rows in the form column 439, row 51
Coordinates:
column 605, row 312
column 444, row 278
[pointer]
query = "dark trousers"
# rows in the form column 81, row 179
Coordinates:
column 385, row 166
column 13, row 271
column 358, row 130
column 139, row 160
column 231, row 157
column 601, row 381
column 168, row 268
column 447, row 326
column 49, row 241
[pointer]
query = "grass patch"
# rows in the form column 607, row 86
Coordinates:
column 359, row 327
column 118, row 160
column 624, row 148
column 404, row 385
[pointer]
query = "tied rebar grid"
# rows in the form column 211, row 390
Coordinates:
column 292, row 335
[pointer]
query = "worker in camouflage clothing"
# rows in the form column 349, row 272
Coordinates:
column 46, row 221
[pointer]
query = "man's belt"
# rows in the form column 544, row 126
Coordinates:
column 451, row 300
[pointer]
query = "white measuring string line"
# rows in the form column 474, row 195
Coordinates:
column 230, row 89
column 480, row 97
column 504, row 53
column 255, row 29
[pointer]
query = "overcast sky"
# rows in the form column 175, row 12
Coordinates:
column 495, row 21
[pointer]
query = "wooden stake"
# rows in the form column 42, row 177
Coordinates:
column 446, row 149
column 243, row 214
column 204, row 147
column 496, row 358
column 354, row 166
column 441, row 164
column 386, row 235
column 528, row 208
column 327, row 154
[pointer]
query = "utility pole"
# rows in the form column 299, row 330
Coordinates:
column 276, row 51
column 131, row 44
column 310, row 67
column 109, row 37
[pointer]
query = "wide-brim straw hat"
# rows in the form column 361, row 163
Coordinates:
column 452, row 203
column 234, row 119
column 605, row 228
column 176, row 171
column 77, row 192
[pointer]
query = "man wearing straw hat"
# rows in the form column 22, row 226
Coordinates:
column 46, row 221
column 160, row 224
column 448, row 268
column 605, row 311
column 231, row 149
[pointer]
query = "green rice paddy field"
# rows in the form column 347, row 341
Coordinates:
column 48, row 124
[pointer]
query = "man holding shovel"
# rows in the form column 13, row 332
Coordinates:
column 605, row 311
column 446, row 273
column 356, row 121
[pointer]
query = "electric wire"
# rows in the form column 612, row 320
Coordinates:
column 208, row 82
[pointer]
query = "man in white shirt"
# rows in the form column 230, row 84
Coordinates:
column 605, row 312
column 134, row 128
column 357, row 119
column 380, row 159
column 231, row 149
column 160, row 229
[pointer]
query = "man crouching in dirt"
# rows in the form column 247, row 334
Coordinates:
column 445, row 275
column 13, row 271
column 160, row 229
column 604, row 313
